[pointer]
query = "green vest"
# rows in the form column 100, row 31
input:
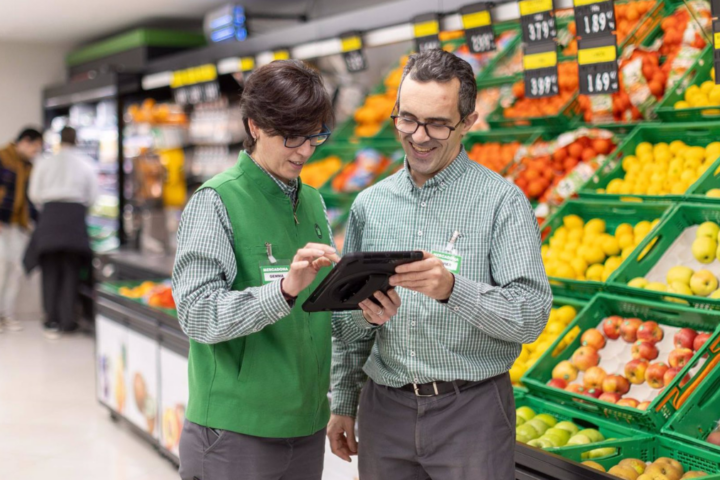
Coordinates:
column 273, row 383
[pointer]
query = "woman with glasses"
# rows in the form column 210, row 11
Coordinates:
column 251, row 244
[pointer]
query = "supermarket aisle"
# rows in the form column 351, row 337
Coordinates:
column 51, row 426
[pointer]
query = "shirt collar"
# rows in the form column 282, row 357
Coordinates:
column 447, row 176
column 288, row 189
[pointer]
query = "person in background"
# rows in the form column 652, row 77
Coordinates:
column 63, row 186
column 439, row 403
column 16, row 213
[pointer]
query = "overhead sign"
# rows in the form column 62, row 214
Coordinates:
column 352, row 49
column 427, row 31
column 477, row 23
column 538, row 21
column 195, row 85
column 281, row 54
column 598, row 66
column 594, row 18
column 541, row 70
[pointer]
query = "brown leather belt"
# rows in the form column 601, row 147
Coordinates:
column 437, row 388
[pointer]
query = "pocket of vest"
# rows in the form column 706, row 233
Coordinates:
column 247, row 358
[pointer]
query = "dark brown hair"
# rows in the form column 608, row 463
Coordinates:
column 68, row 136
column 286, row 98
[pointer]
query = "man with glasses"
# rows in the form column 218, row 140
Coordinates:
column 439, row 403
column 250, row 246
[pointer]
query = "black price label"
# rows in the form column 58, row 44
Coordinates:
column 716, row 52
column 594, row 18
column 427, row 32
column 353, row 53
column 598, row 66
column 538, row 20
column 477, row 23
column 541, row 72
column 715, row 8
column 198, row 93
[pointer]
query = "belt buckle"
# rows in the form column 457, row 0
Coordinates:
column 417, row 390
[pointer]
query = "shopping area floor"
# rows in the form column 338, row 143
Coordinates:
column 51, row 426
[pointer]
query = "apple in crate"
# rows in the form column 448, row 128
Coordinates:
column 629, row 329
column 663, row 470
column 575, row 388
column 680, row 357
column 700, row 341
column 593, row 338
column 643, row 405
column 610, row 397
column 594, row 377
column 628, row 402
column 565, row 370
column 655, row 375
column 635, row 370
column 685, row 338
column 673, row 372
column 557, row 383
column 585, row 357
column 644, row 349
column 611, row 327
column 714, row 438
column 650, row 331
column 626, row 473
column 592, row 392
column 616, row 384
column 634, row 463
column 703, row 282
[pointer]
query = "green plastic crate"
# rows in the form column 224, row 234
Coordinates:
column 697, row 74
column 114, row 289
column 652, row 249
column 693, row 134
column 669, row 400
column 610, row 430
column 614, row 213
column 562, row 121
column 649, row 449
column 709, row 180
column 699, row 414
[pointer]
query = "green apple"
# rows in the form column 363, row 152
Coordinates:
column 540, row 443
column 715, row 294
column 708, row 229
column 638, row 282
column 526, row 413
column 656, row 287
column 713, row 193
column 594, row 435
column 703, row 283
column 519, row 437
column 579, row 440
column 519, row 421
column 554, row 440
column 540, row 426
column 681, row 288
column 704, row 249
column 602, row 452
column 679, row 274
column 528, row 431
column 547, row 418
column 569, row 426
column 560, row 433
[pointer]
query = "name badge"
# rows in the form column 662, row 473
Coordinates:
column 271, row 273
column 452, row 262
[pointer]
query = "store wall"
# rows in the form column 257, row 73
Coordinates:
column 25, row 69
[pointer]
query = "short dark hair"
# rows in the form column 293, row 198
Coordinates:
column 287, row 98
column 68, row 136
column 29, row 134
column 440, row 66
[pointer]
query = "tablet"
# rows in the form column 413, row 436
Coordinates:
column 356, row 278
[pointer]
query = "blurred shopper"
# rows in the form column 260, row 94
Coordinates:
column 63, row 186
column 250, row 246
column 16, row 213
column 439, row 403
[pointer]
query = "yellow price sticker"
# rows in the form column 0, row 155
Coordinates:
column 531, row 7
column 476, row 20
column 717, row 41
column 281, row 55
column 597, row 55
column 247, row 64
column 191, row 76
column 582, row 3
column 536, row 61
column 351, row 43
column 426, row 29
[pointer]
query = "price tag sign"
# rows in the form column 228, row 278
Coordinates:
column 716, row 51
column 427, row 32
column 541, row 72
column 195, row 85
column 715, row 8
column 247, row 65
column 598, row 66
column 594, row 18
column 352, row 48
column 477, row 23
column 281, row 54
column 538, row 21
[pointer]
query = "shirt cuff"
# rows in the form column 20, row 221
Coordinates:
column 464, row 298
column 272, row 301
column 345, row 402
column 361, row 321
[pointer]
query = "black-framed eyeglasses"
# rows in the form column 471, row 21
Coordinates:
column 435, row 131
column 315, row 140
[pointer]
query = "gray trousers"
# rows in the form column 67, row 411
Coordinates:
column 207, row 455
column 465, row 435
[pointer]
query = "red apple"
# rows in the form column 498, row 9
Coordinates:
column 714, row 438
column 628, row 402
column 629, row 329
column 558, row 383
column 680, row 357
column 643, row 405
column 655, row 375
column 616, row 384
column 585, row 357
column 610, row 397
column 644, row 349
column 592, row 392
column 594, row 377
column 700, row 341
column 684, row 338
column 635, row 370
column 565, row 371
column 671, row 373
column 575, row 388
column 611, row 327
column 593, row 338
column 650, row 331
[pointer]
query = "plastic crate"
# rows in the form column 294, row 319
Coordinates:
column 648, row 449
column 699, row 415
column 614, row 213
column 654, row 247
column 693, row 134
column 562, row 121
column 526, row 136
column 697, row 74
column 669, row 400
column 697, row 193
